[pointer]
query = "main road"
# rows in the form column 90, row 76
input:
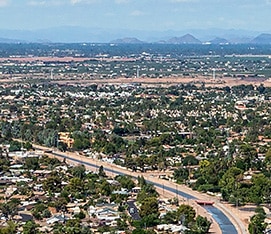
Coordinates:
column 227, row 221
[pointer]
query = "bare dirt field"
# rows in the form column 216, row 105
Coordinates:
column 168, row 81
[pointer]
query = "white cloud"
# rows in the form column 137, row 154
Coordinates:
column 121, row 1
column 183, row 1
column 74, row 2
column 137, row 13
column 45, row 3
column 4, row 3
column 36, row 3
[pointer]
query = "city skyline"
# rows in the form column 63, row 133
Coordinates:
column 159, row 15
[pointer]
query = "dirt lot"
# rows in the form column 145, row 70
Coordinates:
column 168, row 81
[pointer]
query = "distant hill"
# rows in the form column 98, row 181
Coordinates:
column 186, row 39
column 7, row 40
column 75, row 34
column 127, row 40
column 264, row 38
column 219, row 40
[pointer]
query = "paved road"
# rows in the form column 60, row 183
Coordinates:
column 132, row 209
column 226, row 226
column 219, row 214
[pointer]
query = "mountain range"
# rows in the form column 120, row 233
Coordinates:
column 190, row 39
column 73, row 34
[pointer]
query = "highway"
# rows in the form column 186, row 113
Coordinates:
column 226, row 225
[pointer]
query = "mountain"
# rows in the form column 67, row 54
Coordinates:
column 219, row 41
column 186, row 39
column 75, row 34
column 127, row 40
column 11, row 41
column 264, row 38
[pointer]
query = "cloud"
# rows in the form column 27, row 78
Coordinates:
column 36, row 3
column 121, row 1
column 137, row 13
column 74, row 2
column 4, row 3
column 183, row 1
column 45, row 3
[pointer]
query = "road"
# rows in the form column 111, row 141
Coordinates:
column 227, row 221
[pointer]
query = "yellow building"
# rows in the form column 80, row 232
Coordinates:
column 65, row 138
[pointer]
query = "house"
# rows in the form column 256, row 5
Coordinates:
column 65, row 138
column 171, row 228
column 57, row 219
column 107, row 214
column 136, row 190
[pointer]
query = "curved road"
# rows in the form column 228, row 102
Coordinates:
column 226, row 226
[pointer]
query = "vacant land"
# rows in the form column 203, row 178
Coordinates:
column 167, row 81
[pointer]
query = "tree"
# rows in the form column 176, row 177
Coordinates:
column 170, row 217
column 27, row 145
column 147, row 191
column 80, row 215
column 257, row 224
column 181, row 175
column 202, row 225
column 60, row 204
column 9, row 229
column 76, row 185
column 125, row 181
column 101, row 172
column 52, row 183
column 190, row 160
column 32, row 163
column 229, row 182
column 148, row 206
column 79, row 171
column 72, row 226
column 186, row 214
column 10, row 208
column 248, row 155
column 30, row 227
column 259, row 189
column 105, row 188
column 38, row 209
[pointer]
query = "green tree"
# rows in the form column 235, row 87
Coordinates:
column 9, row 229
column 125, row 181
column 30, row 227
column 79, row 171
column 202, row 225
column 101, row 172
column 32, row 163
column 148, row 206
column 10, row 208
column 181, row 175
column 229, row 182
column 52, row 183
column 186, row 214
column 257, row 224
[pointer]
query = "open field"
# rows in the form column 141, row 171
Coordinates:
column 168, row 81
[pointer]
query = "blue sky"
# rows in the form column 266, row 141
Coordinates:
column 158, row 15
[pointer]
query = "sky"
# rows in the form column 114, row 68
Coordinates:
column 159, row 15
